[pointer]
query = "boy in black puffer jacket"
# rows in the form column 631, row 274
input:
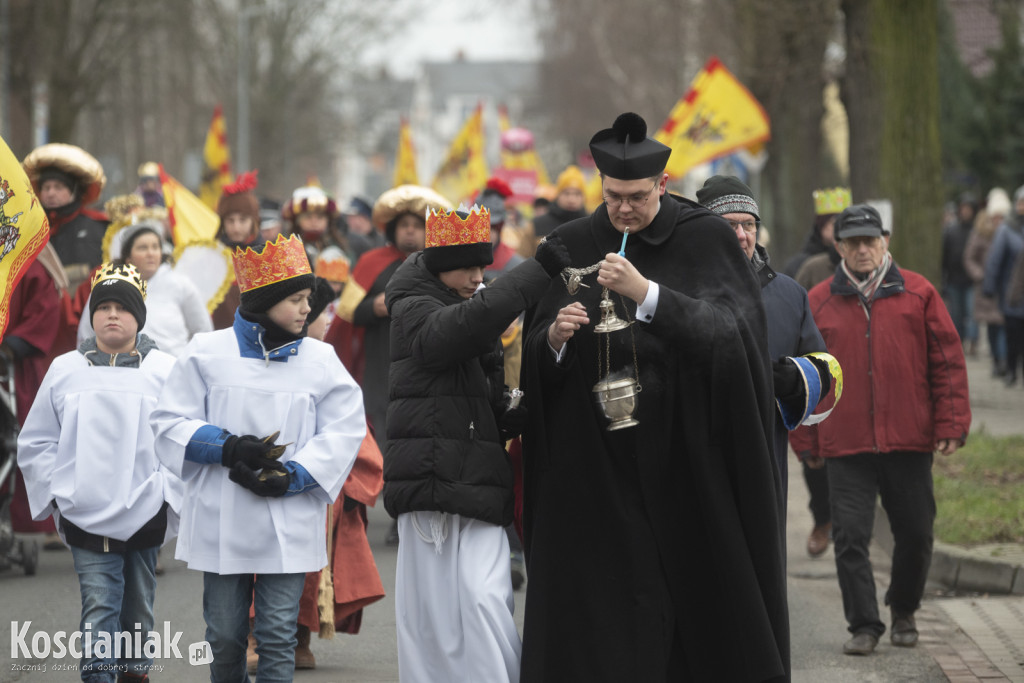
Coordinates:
column 447, row 476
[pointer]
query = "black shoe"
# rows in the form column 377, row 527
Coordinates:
column 1009, row 380
column 904, row 630
column 862, row 643
column 518, row 570
column 392, row 537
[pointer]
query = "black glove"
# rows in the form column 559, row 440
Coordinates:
column 270, row 485
column 823, row 373
column 552, row 256
column 512, row 422
column 788, row 380
column 349, row 504
column 251, row 450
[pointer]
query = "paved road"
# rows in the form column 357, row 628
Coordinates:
column 951, row 630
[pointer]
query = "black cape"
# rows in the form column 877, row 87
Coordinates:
column 656, row 552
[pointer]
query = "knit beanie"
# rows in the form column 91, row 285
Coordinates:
column 271, row 273
column 457, row 239
column 239, row 197
column 570, row 178
column 724, row 194
column 123, row 284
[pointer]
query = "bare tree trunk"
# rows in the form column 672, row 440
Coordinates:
column 892, row 96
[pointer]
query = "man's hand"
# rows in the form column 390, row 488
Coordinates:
column 619, row 275
column 568, row 320
column 815, row 462
column 947, row 446
column 379, row 309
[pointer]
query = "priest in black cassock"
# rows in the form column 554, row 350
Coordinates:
column 655, row 551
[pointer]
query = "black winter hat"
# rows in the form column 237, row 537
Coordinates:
column 123, row 284
column 722, row 194
column 261, row 299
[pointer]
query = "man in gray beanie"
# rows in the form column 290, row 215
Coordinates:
column 791, row 330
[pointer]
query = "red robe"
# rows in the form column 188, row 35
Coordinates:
column 346, row 338
column 356, row 580
column 35, row 317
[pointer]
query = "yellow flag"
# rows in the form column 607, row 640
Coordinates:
column 24, row 228
column 405, row 158
column 464, row 170
column 216, row 160
column 503, row 122
column 716, row 117
column 191, row 219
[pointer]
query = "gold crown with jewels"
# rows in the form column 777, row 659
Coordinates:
column 447, row 228
column 122, row 271
column 280, row 260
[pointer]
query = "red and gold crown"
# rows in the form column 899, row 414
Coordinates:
column 448, row 229
column 280, row 260
column 332, row 265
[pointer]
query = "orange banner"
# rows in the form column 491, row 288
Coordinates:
column 24, row 228
column 716, row 117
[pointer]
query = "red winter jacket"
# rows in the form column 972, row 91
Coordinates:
column 904, row 378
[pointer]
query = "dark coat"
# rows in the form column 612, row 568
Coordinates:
column 556, row 215
column 444, row 450
column 791, row 332
column 645, row 545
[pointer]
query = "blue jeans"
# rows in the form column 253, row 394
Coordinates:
column 117, row 595
column 226, row 600
column 960, row 304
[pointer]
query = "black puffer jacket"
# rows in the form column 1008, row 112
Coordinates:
column 444, row 452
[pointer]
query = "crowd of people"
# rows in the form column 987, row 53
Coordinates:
column 589, row 399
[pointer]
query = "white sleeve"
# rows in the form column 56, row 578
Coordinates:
column 340, row 430
column 37, row 449
column 180, row 411
column 645, row 311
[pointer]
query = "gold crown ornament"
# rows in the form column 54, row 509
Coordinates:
column 280, row 260
column 831, row 200
column 447, row 228
column 123, row 271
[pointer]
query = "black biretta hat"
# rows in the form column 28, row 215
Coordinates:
column 625, row 152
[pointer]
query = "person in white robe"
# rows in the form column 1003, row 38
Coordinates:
column 177, row 311
column 263, row 424
column 86, row 451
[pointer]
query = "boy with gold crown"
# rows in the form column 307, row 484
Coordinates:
column 263, row 424
column 447, row 477
column 85, row 464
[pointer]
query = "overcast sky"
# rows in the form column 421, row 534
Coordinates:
column 482, row 29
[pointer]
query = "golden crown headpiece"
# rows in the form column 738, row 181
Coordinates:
column 120, row 271
column 332, row 265
column 831, row 200
column 448, row 228
column 280, row 260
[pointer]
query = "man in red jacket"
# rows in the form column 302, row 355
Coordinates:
column 905, row 398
